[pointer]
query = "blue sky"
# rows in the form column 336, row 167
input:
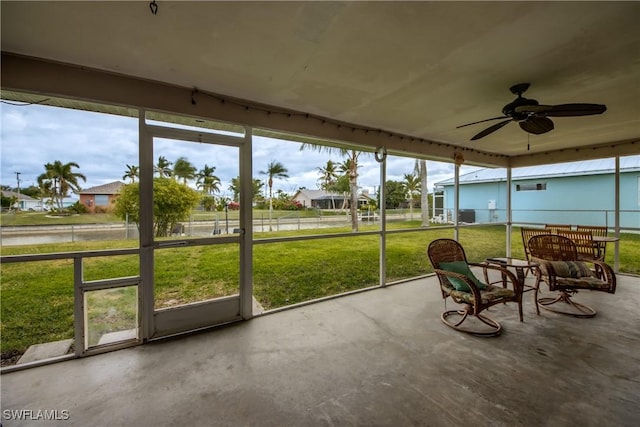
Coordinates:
column 104, row 144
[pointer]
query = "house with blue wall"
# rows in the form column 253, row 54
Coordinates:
column 565, row 193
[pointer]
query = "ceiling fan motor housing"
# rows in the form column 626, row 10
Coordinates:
column 509, row 109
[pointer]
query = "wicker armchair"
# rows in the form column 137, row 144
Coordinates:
column 528, row 233
column 599, row 231
column 563, row 271
column 554, row 228
column 585, row 246
column 458, row 282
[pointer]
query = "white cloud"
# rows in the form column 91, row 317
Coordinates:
column 104, row 144
column 14, row 120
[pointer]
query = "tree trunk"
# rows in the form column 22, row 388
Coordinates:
column 353, row 188
column 424, row 193
column 411, row 207
column 344, row 202
column 270, row 206
column 354, row 206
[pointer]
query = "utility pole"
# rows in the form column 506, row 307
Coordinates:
column 18, row 180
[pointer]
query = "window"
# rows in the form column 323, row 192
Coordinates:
column 102, row 200
column 531, row 187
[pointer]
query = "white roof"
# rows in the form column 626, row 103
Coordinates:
column 20, row 196
column 585, row 167
column 316, row 194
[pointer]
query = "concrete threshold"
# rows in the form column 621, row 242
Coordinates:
column 45, row 351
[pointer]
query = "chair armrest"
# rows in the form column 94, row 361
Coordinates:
column 608, row 274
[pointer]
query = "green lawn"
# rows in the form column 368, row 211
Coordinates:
column 37, row 297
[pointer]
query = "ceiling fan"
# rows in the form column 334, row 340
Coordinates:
column 533, row 117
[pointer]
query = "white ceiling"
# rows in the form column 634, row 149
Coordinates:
column 414, row 68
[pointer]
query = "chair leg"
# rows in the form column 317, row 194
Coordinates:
column 520, row 309
column 574, row 309
column 494, row 327
column 535, row 295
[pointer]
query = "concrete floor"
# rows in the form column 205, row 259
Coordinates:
column 378, row 358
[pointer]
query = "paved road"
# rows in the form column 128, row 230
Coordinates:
column 27, row 235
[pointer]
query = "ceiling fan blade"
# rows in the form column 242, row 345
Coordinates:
column 563, row 110
column 490, row 129
column 482, row 121
column 536, row 125
column 568, row 110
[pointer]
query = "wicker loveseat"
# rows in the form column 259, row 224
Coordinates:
column 563, row 271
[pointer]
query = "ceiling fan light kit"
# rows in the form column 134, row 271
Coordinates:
column 533, row 117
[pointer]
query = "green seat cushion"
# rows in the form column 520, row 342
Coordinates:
column 488, row 295
column 582, row 282
column 461, row 267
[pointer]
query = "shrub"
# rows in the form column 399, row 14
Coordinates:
column 77, row 208
column 172, row 202
column 209, row 203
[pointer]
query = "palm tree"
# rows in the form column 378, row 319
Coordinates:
column 274, row 170
column 351, row 165
column 411, row 185
column 328, row 177
column 163, row 168
column 63, row 179
column 13, row 203
column 131, row 173
column 46, row 190
column 183, row 168
column 350, row 168
column 421, row 169
column 207, row 181
column 328, row 174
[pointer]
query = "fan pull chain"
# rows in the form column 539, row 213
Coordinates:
column 528, row 135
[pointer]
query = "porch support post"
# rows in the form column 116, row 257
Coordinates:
column 509, row 216
column 383, row 222
column 78, row 308
column 246, row 226
column 456, row 202
column 145, row 157
column 616, row 256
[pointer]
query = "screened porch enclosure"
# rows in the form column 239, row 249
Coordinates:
column 414, row 83
column 123, row 294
